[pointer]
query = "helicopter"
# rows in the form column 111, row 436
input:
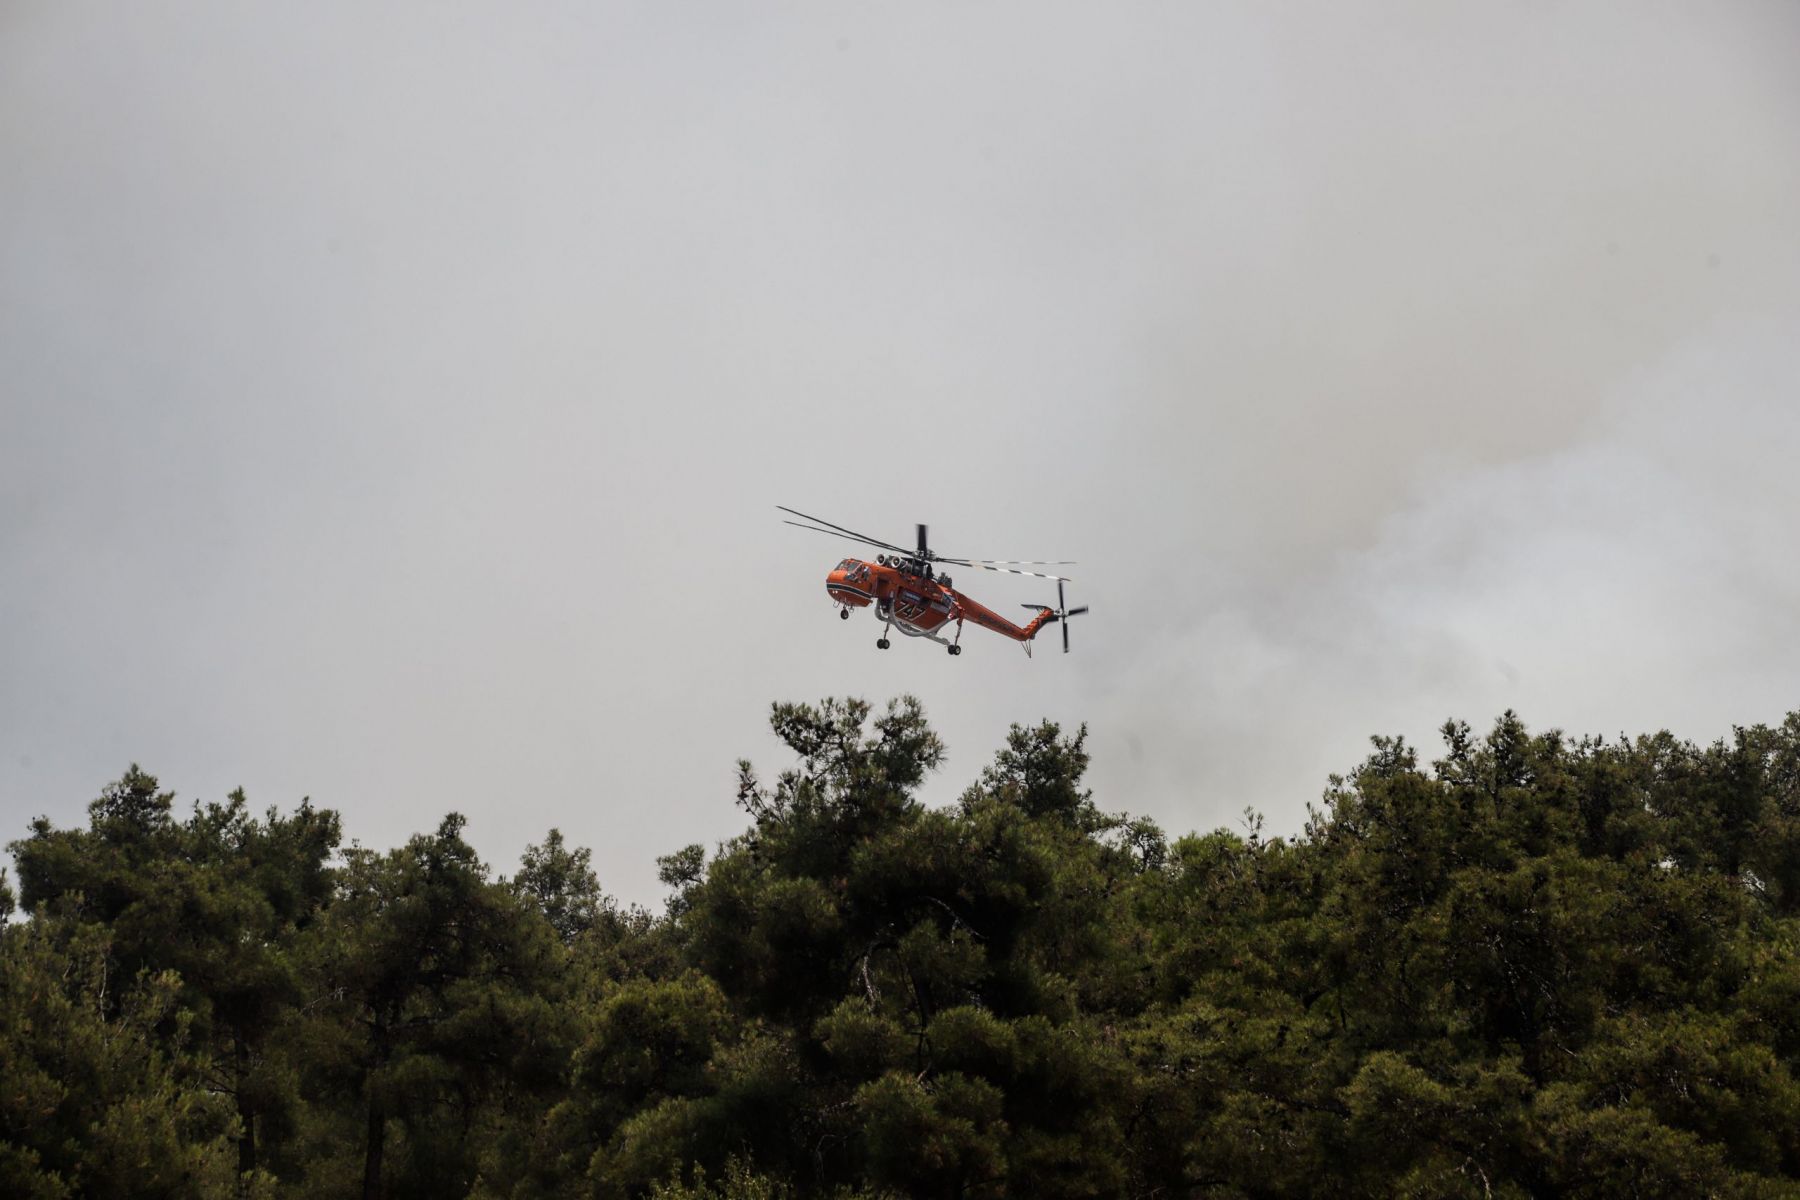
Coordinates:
column 907, row 592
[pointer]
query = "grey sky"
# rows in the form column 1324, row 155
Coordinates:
column 394, row 399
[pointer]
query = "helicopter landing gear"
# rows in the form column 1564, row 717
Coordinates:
column 843, row 614
column 881, row 644
column 955, row 650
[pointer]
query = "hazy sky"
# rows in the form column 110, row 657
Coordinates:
column 394, row 399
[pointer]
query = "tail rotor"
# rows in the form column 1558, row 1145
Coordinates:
column 1060, row 614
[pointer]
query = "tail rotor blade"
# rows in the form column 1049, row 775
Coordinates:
column 1065, row 626
column 1076, row 612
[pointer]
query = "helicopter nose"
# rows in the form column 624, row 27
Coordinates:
column 841, row 590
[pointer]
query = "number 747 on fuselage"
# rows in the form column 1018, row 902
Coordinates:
column 908, row 593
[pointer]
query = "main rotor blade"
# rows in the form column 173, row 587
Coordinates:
column 924, row 551
column 1008, row 562
column 1004, row 570
column 849, row 537
column 849, row 532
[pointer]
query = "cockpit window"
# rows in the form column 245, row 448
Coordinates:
column 845, row 565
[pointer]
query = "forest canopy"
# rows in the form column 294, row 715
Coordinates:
column 1531, row 965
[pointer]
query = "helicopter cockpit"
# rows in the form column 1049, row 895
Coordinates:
column 848, row 583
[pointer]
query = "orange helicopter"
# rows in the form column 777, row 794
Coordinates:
column 909, row 595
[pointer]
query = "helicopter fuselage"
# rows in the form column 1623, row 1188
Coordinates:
column 916, row 602
column 907, row 593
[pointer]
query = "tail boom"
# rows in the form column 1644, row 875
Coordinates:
column 987, row 618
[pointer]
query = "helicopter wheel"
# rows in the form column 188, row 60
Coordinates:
column 881, row 644
column 843, row 614
column 956, row 650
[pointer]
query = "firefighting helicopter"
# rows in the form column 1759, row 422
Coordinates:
column 909, row 595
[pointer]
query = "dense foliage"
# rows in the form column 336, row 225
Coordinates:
column 1535, row 966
